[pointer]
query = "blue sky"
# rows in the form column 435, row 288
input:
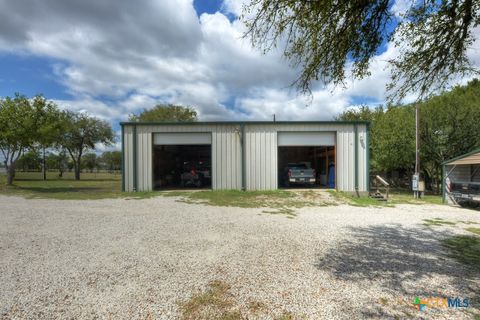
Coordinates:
column 111, row 59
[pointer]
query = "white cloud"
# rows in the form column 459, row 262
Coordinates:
column 233, row 6
column 136, row 56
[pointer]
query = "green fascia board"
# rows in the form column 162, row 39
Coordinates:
column 462, row 156
column 239, row 122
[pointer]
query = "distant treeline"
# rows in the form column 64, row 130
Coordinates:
column 29, row 126
column 449, row 125
column 32, row 160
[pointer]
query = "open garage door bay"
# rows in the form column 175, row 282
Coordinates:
column 306, row 159
column 182, row 160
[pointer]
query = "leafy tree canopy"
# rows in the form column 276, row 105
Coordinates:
column 24, row 123
column 80, row 133
column 449, row 127
column 325, row 38
column 168, row 112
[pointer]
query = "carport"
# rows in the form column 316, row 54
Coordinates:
column 461, row 178
column 316, row 150
column 182, row 160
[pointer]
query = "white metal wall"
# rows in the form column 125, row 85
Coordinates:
column 261, row 171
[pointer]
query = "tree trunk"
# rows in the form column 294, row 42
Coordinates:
column 77, row 168
column 44, row 166
column 10, row 174
column 77, row 172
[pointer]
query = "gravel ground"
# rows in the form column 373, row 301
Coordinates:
column 127, row 259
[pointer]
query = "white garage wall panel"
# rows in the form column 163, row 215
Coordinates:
column 261, row 145
column 226, row 157
column 182, row 138
column 260, row 157
column 286, row 139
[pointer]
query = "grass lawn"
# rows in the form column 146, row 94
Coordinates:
column 282, row 201
column 91, row 186
column 106, row 185
column 393, row 199
column 465, row 249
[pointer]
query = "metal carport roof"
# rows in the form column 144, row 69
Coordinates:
column 472, row 157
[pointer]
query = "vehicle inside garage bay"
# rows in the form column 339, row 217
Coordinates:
column 182, row 160
column 306, row 166
column 306, row 159
column 182, row 166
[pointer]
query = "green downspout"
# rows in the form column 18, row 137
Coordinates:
column 368, row 156
column 123, row 160
column 355, row 128
column 242, row 141
column 135, row 157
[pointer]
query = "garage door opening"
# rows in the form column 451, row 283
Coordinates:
column 182, row 160
column 182, row 166
column 312, row 167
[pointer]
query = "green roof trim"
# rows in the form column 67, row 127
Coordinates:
column 239, row 122
column 462, row 156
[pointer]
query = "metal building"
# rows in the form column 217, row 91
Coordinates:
column 461, row 178
column 244, row 155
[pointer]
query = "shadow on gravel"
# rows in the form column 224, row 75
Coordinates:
column 396, row 258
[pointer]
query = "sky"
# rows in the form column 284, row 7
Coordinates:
column 113, row 58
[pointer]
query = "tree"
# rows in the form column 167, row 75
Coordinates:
column 57, row 161
column 48, row 124
column 18, row 130
column 80, row 133
column 449, row 128
column 168, row 112
column 325, row 39
column 393, row 138
column 111, row 160
column 30, row 160
column 89, row 161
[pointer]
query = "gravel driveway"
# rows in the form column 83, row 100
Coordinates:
column 139, row 258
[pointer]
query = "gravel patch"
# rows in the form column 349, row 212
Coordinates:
column 126, row 259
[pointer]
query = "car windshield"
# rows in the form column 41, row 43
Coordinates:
column 297, row 166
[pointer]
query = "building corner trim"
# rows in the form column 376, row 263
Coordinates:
column 242, row 141
column 355, row 128
column 123, row 158
column 368, row 156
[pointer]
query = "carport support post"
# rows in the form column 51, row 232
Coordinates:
column 242, row 141
column 443, row 183
column 368, row 157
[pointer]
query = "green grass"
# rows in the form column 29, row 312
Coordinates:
column 218, row 303
column 438, row 222
column 394, row 198
column 214, row 303
column 473, row 230
column 465, row 249
column 282, row 201
column 91, row 186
